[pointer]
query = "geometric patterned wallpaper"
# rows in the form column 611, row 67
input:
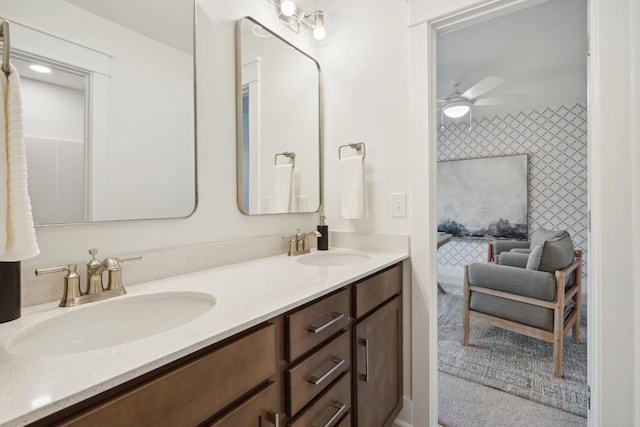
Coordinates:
column 555, row 140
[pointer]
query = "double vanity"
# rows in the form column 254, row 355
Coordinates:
column 309, row 340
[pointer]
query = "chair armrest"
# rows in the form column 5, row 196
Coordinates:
column 496, row 247
column 513, row 259
column 513, row 280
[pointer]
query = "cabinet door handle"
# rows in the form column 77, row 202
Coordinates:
column 317, row 380
column 273, row 418
column 335, row 318
column 340, row 409
column 365, row 377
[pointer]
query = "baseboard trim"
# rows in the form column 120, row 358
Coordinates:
column 405, row 417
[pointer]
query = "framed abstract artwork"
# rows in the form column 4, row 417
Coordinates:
column 484, row 197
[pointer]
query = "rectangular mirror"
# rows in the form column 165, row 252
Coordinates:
column 110, row 123
column 279, row 124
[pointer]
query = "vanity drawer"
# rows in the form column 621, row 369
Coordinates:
column 259, row 406
column 329, row 409
column 193, row 392
column 373, row 291
column 311, row 325
column 310, row 376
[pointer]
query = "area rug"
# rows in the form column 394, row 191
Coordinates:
column 511, row 362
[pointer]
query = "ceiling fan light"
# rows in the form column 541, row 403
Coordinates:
column 457, row 109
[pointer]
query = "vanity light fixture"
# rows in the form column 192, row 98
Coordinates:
column 319, row 32
column 40, row 68
column 294, row 18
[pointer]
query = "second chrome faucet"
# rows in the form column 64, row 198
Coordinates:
column 299, row 242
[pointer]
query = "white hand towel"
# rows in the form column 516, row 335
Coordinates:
column 282, row 187
column 17, row 230
column 352, row 187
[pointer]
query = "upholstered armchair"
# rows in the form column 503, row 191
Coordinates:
column 533, row 290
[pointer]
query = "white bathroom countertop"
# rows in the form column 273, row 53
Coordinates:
column 247, row 294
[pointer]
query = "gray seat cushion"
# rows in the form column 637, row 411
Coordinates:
column 532, row 315
column 514, row 280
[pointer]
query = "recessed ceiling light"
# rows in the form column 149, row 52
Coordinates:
column 40, row 68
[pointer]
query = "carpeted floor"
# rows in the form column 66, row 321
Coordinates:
column 511, row 362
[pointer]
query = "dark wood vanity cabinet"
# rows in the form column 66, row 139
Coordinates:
column 377, row 343
column 224, row 381
column 334, row 362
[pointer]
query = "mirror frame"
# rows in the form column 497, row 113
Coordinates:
column 239, row 134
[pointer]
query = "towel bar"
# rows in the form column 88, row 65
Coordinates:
column 6, row 46
column 358, row 146
column 290, row 154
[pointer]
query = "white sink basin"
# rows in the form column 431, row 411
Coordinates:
column 332, row 258
column 110, row 323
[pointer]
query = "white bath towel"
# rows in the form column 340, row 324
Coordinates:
column 352, row 191
column 17, row 230
column 282, row 188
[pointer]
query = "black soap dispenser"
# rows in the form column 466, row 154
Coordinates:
column 323, row 228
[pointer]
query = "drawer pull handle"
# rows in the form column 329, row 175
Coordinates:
column 365, row 377
column 340, row 409
column 273, row 418
column 317, row 380
column 335, row 318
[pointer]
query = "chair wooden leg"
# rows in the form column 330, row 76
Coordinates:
column 575, row 332
column 558, row 326
column 467, row 294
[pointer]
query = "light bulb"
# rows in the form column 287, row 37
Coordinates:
column 319, row 32
column 287, row 7
column 40, row 68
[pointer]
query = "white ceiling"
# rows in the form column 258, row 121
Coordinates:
column 168, row 21
column 540, row 51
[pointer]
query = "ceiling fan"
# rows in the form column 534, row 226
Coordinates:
column 457, row 104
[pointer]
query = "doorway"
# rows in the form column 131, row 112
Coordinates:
column 424, row 277
column 527, row 101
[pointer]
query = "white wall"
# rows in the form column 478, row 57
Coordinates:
column 614, row 382
column 366, row 86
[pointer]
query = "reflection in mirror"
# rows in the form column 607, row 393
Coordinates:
column 109, row 122
column 278, row 124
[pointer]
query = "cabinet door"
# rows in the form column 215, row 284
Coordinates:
column 257, row 411
column 378, row 366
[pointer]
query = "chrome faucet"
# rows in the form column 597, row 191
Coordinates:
column 299, row 242
column 95, row 289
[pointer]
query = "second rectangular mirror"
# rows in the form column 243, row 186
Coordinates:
column 279, row 136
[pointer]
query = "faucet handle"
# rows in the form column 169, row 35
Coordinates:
column 71, row 282
column 115, row 273
column 94, row 261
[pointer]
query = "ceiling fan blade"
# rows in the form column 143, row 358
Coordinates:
column 500, row 100
column 483, row 86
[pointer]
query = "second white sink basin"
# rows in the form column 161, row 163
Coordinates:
column 322, row 258
column 110, row 323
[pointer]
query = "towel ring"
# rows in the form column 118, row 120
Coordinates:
column 358, row 146
column 289, row 154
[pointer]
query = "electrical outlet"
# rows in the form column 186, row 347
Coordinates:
column 398, row 205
